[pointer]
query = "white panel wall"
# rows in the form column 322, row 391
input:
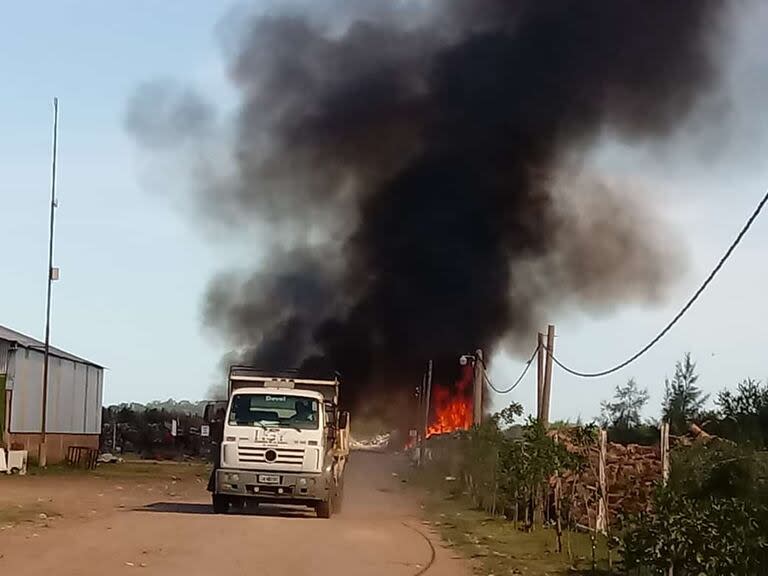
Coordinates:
column 93, row 400
column 74, row 395
column 26, row 402
column 5, row 351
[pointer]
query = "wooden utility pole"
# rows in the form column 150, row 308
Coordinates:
column 547, row 393
column 479, row 384
column 558, row 504
column 427, row 399
column 540, row 360
column 418, row 428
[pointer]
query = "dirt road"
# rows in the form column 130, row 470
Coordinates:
column 166, row 527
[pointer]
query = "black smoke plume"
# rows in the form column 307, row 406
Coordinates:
column 419, row 170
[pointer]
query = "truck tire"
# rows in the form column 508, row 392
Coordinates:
column 220, row 504
column 324, row 508
column 237, row 504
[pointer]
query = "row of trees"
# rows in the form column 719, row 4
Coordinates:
column 740, row 415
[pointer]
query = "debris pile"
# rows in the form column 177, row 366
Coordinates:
column 631, row 474
column 378, row 442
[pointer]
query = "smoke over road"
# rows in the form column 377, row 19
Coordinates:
column 418, row 170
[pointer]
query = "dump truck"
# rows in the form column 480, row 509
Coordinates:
column 284, row 441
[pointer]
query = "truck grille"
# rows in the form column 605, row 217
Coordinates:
column 265, row 455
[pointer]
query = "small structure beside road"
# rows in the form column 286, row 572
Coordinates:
column 75, row 390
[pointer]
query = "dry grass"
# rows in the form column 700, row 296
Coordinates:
column 131, row 469
column 16, row 514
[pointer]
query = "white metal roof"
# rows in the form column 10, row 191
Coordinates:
column 28, row 342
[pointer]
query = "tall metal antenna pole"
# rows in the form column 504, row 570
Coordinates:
column 43, row 456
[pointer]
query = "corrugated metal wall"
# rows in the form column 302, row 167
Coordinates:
column 74, row 395
column 5, row 347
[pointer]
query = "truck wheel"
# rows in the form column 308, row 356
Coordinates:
column 237, row 503
column 324, row 508
column 220, row 504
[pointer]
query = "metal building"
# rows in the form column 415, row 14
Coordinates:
column 75, row 388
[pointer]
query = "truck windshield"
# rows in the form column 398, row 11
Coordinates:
column 276, row 410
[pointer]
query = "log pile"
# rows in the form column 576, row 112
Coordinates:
column 632, row 473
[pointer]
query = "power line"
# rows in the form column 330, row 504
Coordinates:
column 680, row 314
column 517, row 382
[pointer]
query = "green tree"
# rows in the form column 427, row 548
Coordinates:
column 683, row 399
column 624, row 410
column 510, row 414
column 743, row 415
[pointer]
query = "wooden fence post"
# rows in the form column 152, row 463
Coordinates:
column 601, row 525
column 665, row 452
column 558, row 511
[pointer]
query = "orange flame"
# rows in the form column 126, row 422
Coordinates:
column 452, row 407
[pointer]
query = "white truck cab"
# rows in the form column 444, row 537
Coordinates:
column 283, row 441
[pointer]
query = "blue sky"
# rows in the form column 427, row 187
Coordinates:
column 134, row 266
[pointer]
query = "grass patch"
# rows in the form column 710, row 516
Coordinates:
column 496, row 547
column 130, row 469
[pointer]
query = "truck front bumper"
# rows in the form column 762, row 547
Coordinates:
column 272, row 486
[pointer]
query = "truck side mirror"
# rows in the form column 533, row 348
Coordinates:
column 343, row 420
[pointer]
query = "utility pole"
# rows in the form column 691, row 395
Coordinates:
column 42, row 459
column 540, row 360
column 479, row 384
column 547, row 395
column 427, row 399
column 415, row 433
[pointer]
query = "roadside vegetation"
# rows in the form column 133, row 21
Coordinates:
column 128, row 469
column 495, row 492
column 495, row 545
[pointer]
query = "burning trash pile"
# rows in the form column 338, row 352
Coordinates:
column 451, row 407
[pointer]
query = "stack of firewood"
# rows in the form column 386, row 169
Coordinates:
column 632, row 473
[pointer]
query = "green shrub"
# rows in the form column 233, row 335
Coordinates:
column 711, row 519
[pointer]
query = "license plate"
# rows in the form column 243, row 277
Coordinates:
column 269, row 479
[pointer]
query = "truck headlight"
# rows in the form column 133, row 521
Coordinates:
column 233, row 477
column 302, row 481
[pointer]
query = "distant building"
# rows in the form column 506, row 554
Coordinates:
column 75, row 389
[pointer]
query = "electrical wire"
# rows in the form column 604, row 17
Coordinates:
column 679, row 315
column 517, row 382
